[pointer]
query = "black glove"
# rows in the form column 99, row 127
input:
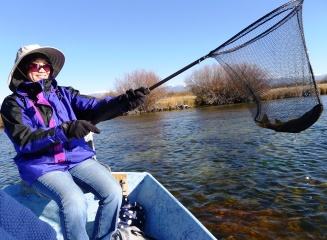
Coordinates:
column 132, row 99
column 78, row 128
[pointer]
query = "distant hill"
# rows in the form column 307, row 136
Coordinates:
column 177, row 87
column 320, row 76
column 96, row 94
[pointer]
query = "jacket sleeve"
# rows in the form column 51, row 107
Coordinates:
column 26, row 137
column 90, row 108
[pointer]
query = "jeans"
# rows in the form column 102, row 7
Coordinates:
column 63, row 188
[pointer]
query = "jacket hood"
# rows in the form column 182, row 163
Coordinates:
column 17, row 74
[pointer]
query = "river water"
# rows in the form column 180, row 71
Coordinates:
column 239, row 180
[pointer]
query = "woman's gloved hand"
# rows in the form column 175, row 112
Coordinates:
column 132, row 99
column 78, row 128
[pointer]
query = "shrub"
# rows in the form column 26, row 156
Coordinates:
column 213, row 85
column 139, row 78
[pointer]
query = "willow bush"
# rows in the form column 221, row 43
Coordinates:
column 142, row 78
column 213, row 86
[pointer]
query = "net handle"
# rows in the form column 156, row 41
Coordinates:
column 148, row 90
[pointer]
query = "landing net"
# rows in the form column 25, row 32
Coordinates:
column 270, row 65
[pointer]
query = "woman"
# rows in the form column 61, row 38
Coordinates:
column 47, row 124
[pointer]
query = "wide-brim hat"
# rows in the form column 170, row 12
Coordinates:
column 56, row 57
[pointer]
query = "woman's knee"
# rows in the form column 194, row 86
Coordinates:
column 116, row 188
column 113, row 193
column 75, row 202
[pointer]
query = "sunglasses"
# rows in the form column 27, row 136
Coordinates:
column 34, row 67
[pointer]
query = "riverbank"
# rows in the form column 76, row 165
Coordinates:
column 185, row 100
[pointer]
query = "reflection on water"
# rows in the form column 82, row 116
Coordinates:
column 240, row 180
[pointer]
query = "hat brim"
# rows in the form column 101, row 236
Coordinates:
column 56, row 57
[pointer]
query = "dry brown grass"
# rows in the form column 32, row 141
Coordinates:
column 280, row 93
column 174, row 99
column 171, row 102
column 323, row 88
column 1, row 122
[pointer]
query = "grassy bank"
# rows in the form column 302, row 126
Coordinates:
column 187, row 98
column 175, row 99
column 171, row 102
column 323, row 88
column 280, row 93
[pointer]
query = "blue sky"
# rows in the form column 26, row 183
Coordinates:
column 103, row 39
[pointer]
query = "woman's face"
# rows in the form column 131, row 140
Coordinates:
column 38, row 70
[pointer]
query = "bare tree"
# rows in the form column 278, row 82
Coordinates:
column 250, row 79
column 212, row 84
column 141, row 78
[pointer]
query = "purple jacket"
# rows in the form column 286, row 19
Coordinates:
column 32, row 116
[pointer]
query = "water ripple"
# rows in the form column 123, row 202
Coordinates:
column 241, row 181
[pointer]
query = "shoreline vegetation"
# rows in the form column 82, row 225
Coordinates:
column 186, row 99
column 211, row 85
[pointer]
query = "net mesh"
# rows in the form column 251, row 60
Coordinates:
column 269, row 63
